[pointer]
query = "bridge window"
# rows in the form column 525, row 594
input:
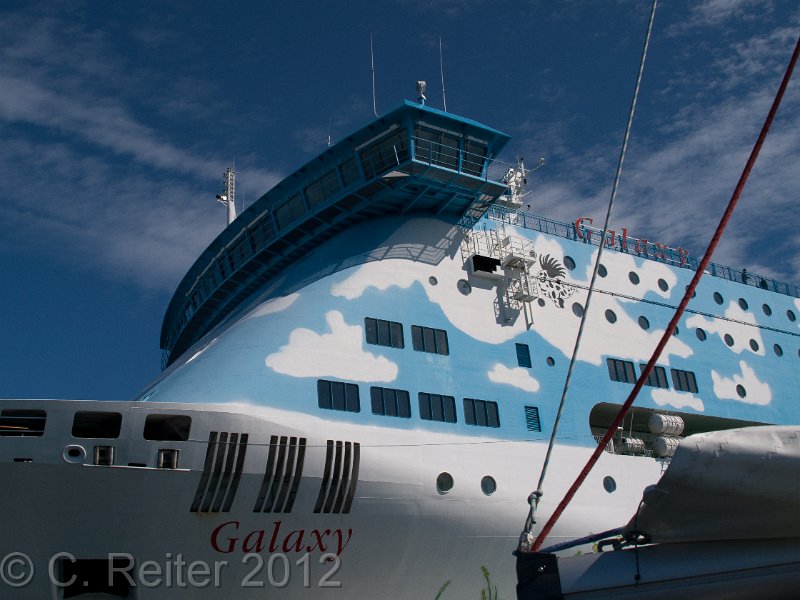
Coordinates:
column 436, row 147
column 436, row 407
column 337, row 395
column 427, row 339
column 384, row 154
column 383, row 333
column 621, row 370
column 389, row 402
column 481, row 412
column 684, row 381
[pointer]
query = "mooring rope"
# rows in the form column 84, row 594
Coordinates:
column 533, row 500
column 681, row 307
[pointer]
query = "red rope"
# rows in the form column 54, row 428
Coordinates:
column 678, row 313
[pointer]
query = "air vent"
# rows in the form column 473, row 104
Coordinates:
column 340, row 477
column 282, row 474
column 221, row 472
column 103, row 456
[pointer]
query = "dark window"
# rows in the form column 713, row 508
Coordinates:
column 167, row 428
column 389, row 402
column 337, row 395
column 621, row 370
column 384, row 333
column 481, row 412
column 532, row 418
column 436, row 407
column 22, row 422
column 99, row 425
column 426, row 339
column 684, row 381
column 524, row 356
column 657, row 377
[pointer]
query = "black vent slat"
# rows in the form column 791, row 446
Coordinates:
column 203, row 483
column 226, row 507
column 222, row 490
column 337, row 472
column 337, row 507
column 273, row 443
column 212, row 485
column 323, row 486
column 277, row 475
column 298, row 474
column 353, row 477
column 287, row 475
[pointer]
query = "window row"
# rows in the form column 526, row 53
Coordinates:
column 95, row 425
column 338, row 395
column 390, row 333
column 624, row 372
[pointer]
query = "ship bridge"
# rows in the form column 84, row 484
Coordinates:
column 415, row 159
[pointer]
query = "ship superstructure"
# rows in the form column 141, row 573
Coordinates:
column 361, row 372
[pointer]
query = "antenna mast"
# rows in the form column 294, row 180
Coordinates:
column 228, row 196
column 441, row 70
column 372, row 59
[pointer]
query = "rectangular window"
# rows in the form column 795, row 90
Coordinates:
column 167, row 428
column 337, row 395
column 22, row 422
column 621, row 370
column 684, row 381
column 96, row 425
column 436, row 407
column 657, row 378
column 532, row 418
column 524, row 356
column 383, row 333
column 389, row 402
column 481, row 412
column 427, row 339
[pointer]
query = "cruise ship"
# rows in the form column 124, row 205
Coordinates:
column 361, row 375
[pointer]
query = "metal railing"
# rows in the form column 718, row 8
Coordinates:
column 670, row 255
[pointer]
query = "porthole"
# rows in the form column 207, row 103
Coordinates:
column 790, row 315
column 488, row 485
column 609, row 484
column 767, row 310
column 464, row 287
column 754, row 345
column 743, row 304
column 644, row 323
column 663, row 285
column 676, row 331
column 601, row 270
column 577, row 309
column 694, row 293
column 741, row 391
column 634, row 278
column 74, row 454
column 444, row 482
column 728, row 339
column 569, row 263
column 611, row 316
column 432, row 280
column 540, row 301
column 718, row 298
column 778, row 350
column 552, row 361
column 701, row 334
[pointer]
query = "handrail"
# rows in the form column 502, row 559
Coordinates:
column 568, row 231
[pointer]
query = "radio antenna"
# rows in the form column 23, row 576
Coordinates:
column 372, row 60
column 441, row 70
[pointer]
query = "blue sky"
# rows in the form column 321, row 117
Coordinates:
column 118, row 120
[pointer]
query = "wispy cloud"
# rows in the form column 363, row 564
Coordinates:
column 87, row 168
